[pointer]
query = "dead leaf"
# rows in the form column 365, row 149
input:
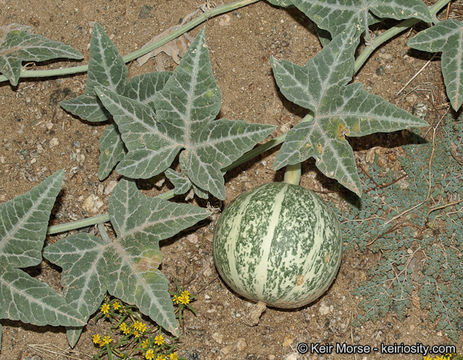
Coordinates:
column 175, row 48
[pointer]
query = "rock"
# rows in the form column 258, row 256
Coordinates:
column 110, row 187
column 324, row 309
column 54, row 142
column 288, row 340
column 227, row 349
column 224, row 20
column 92, row 204
column 241, row 344
column 218, row 338
column 192, row 238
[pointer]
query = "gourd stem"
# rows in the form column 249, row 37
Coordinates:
column 389, row 34
column 129, row 57
column 293, row 171
column 293, row 174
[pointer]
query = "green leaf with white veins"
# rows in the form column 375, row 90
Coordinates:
column 445, row 36
column 185, row 111
column 105, row 68
column 127, row 266
column 23, row 228
column 337, row 16
column 18, row 45
column 141, row 88
column 338, row 110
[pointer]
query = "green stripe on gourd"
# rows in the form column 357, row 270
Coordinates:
column 278, row 243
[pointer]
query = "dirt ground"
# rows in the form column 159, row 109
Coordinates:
column 38, row 138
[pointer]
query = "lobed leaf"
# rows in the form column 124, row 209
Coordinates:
column 339, row 110
column 126, row 267
column 24, row 223
column 181, row 183
column 23, row 228
column 19, row 46
column 185, row 110
column 337, row 16
column 282, row 3
column 111, row 151
column 105, row 68
column 445, row 36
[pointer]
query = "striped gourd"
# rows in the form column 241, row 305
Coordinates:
column 279, row 244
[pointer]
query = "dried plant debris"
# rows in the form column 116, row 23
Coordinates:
column 175, row 48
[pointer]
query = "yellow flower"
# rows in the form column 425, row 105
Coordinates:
column 175, row 300
column 104, row 308
column 173, row 356
column 106, row 340
column 161, row 357
column 116, row 305
column 145, row 343
column 184, row 297
column 149, row 355
column 96, row 338
column 139, row 326
column 159, row 340
column 136, row 334
column 123, row 327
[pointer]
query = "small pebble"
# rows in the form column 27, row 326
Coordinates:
column 92, row 204
column 192, row 238
column 227, row 349
column 224, row 20
column 324, row 309
column 110, row 187
column 381, row 70
column 218, row 338
column 241, row 344
column 288, row 340
column 54, row 142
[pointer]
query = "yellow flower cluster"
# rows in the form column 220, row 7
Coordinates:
column 99, row 341
column 137, row 328
column 138, row 325
column 184, row 298
column 124, row 328
column 105, row 309
column 441, row 357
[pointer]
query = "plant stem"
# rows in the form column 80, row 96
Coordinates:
column 293, row 174
column 98, row 219
column 389, row 34
column 181, row 30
